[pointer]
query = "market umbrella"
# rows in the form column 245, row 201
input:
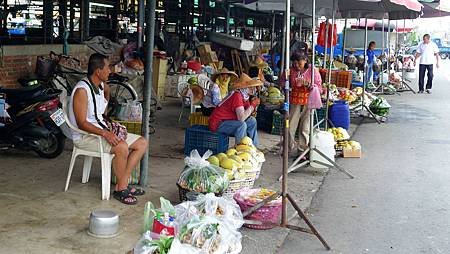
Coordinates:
column 298, row 7
column 433, row 10
column 378, row 9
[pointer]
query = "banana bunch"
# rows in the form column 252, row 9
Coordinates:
column 339, row 133
column 348, row 144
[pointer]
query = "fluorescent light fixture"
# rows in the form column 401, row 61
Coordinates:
column 101, row 5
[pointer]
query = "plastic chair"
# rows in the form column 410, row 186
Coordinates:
column 186, row 98
column 106, row 158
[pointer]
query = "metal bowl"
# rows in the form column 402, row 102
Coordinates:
column 103, row 223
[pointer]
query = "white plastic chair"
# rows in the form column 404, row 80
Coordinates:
column 106, row 158
column 186, row 98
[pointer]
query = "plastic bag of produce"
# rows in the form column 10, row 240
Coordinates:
column 147, row 245
column 150, row 212
column 200, row 176
column 224, row 209
column 380, row 106
column 211, row 235
column 183, row 248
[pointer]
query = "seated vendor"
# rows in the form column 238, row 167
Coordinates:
column 217, row 89
column 233, row 115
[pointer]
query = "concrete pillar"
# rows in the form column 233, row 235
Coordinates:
column 84, row 22
column 48, row 21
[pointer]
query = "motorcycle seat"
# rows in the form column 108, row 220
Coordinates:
column 14, row 95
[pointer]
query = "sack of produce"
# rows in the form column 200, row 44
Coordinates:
column 201, row 176
column 224, row 209
column 380, row 106
column 211, row 235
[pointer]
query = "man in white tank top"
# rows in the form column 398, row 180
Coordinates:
column 82, row 114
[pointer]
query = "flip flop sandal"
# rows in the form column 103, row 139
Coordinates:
column 136, row 192
column 125, row 197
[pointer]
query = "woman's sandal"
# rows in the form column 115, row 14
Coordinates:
column 135, row 191
column 125, row 197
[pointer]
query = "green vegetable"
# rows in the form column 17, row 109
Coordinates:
column 163, row 244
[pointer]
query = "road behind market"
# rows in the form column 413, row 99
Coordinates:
column 399, row 201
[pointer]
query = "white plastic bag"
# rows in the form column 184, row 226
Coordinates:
column 143, row 246
column 211, row 235
column 130, row 111
column 182, row 248
column 224, row 209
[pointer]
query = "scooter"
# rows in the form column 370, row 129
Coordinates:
column 35, row 121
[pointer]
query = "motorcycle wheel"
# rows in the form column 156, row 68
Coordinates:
column 54, row 147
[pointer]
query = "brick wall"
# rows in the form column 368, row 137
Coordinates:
column 14, row 67
column 20, row 61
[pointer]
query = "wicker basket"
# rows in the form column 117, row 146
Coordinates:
column 268, row 215
column 184, row 192
column 236, row 185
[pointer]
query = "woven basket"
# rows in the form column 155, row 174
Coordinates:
column 183, row 193
column 268, row 215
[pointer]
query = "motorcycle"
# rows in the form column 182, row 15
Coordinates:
column 35, row 120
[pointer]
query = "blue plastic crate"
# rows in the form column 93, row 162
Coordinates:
column 200, row 138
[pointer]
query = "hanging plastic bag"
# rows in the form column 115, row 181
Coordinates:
column 314, row 99
column 331, row 39
column 200, row 176
column 211, row 235
column 321, row 35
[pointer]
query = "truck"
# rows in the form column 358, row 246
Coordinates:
column 444, row 50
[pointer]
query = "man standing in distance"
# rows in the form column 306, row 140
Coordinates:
column 428, row 52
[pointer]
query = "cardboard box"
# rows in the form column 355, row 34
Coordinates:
column 351, row 153
column 159, row 77
column 204, row 49
column 211, row 57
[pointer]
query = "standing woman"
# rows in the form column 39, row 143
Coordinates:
column 300, row 81
column 370, row 61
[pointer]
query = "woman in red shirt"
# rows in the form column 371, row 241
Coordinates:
column 300, row 81
column 233, row 115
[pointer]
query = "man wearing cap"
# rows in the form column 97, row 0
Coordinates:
column 233, row 115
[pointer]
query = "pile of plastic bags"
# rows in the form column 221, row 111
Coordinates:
column 208, row 225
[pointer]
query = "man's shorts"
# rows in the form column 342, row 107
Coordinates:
column 90, row 143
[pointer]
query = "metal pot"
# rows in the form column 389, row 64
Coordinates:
column 103, row 223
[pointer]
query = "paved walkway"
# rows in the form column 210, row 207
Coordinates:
column 399, row 201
